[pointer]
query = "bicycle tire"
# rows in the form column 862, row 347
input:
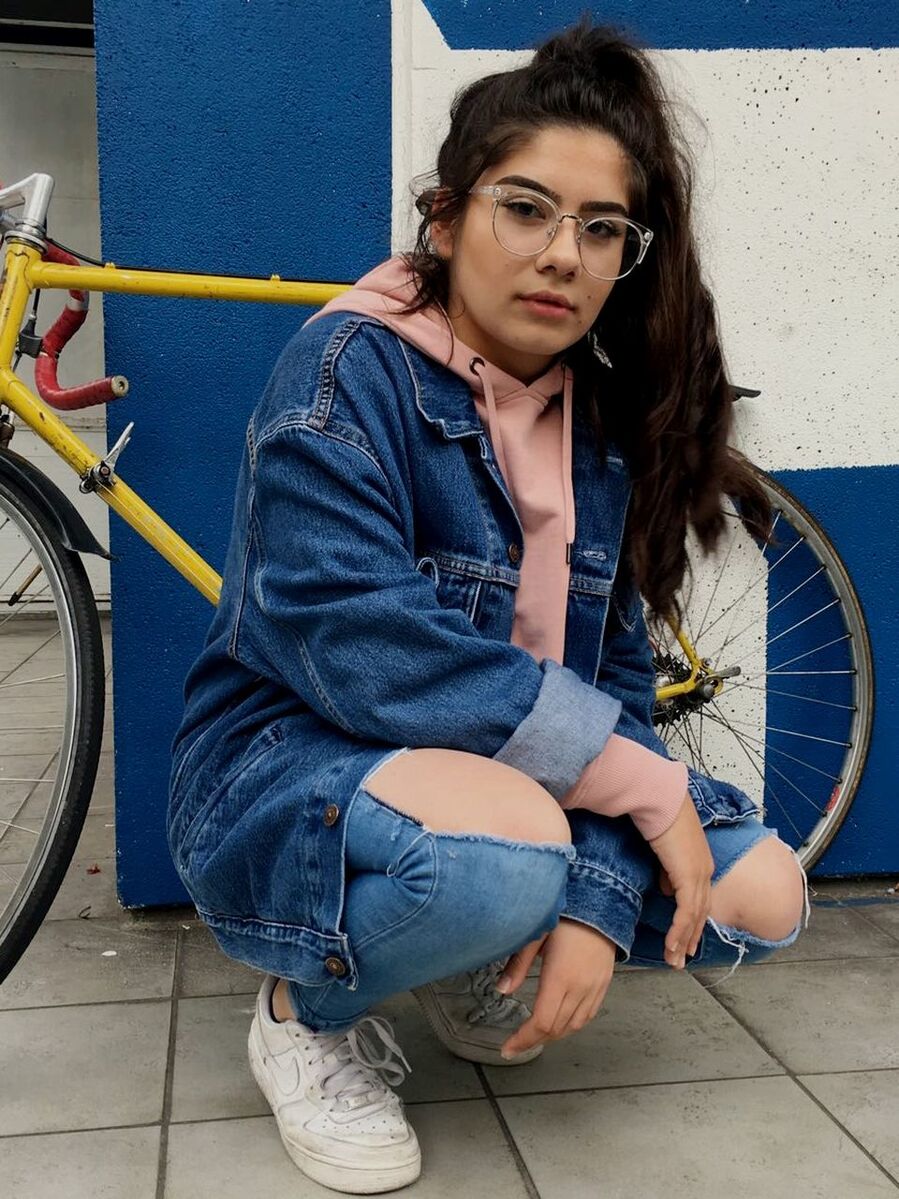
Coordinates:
column 799, row 530
column 72, row 601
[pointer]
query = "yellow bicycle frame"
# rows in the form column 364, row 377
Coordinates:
column 26, row 272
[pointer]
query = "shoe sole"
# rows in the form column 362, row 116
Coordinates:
column 332, row 1172
column 468, row 1052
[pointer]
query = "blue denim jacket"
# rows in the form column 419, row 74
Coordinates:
column 367, row 604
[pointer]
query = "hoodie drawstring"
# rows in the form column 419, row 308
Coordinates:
column 567, row 481
column 497, row 439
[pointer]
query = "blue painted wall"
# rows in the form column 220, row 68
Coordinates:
column 676, row 24
column 241, row 138
column 255, row 138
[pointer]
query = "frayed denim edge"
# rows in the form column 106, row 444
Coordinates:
column 741, row 939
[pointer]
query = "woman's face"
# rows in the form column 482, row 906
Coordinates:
column 487, row 282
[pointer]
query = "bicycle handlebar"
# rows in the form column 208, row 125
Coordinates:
column 54, row 341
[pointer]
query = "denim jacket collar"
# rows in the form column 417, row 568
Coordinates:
column 441, row 396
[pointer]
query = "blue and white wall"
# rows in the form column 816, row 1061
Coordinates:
column 268, row 136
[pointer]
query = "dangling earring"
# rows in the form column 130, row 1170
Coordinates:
column 597, row 349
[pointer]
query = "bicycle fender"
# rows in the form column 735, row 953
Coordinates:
column 53, row 503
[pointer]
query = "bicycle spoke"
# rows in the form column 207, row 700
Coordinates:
column 719, row 577
column 806, row 619
column 766, row 786
column 47, row 678
column 798, row 658
column 15, row 568
column 769, row 766
column 776, row 749
column 809, row 699
column 774, row 628
column 18, row 608
column 765, row 574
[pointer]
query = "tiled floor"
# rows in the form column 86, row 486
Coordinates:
column 124, row 1075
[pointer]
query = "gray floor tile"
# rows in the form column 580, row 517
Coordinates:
column 205, row 970
column 743, row 1138
column 873, row 886
column 117, row 1163
column 212, row 1077
column 837, row 933
column 818, row 1016
column 463, row 1152
column 18, row 775
column 884, row 915
column 92, row 961
column 436, row 1073
column 103, row 797
column 654, row 1026
column 235, row 1158
column 87, row 890
column 97, row 839
column 867, row 1103
column 99, row 1066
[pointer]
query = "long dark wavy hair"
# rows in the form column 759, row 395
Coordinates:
column 666, row 402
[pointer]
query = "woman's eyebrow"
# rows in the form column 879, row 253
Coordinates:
column 589, row 206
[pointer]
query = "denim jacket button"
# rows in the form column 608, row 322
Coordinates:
column 335, row 966
column 331, row 814
column 514, row 554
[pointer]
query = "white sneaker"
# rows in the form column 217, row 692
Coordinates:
column 338, row 1119
column 472, row 1018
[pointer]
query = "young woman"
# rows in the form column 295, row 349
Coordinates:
column 417, row 748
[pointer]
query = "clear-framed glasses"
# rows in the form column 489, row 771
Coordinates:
column 525, row 222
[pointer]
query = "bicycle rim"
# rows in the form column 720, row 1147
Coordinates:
column 51, row 715
column 792, row 727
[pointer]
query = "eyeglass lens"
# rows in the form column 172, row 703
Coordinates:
column 523, row 223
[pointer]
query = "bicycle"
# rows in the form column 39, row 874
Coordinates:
column 721, row 710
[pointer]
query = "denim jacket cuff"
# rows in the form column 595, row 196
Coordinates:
column 567, row 727
column 599, row 899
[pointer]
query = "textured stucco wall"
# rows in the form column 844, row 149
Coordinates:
column 262, row 137
column 237, row 137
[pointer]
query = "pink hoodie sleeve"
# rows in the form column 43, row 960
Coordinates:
column 628, row 779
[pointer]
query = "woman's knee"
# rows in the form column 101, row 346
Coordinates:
column 453, row 791
column 763, row 893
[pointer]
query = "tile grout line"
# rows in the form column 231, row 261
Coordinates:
column 805, row 1090
column 868, row 920
column 525, row 1174
column 850, row 961
column 162, row 1163
column 415, row 1103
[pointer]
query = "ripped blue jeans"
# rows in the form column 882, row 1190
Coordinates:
column 422, row 905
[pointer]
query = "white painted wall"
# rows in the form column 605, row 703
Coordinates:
column 48, row 122
column 796, row 154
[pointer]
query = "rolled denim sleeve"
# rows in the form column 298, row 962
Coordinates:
column 334, row 608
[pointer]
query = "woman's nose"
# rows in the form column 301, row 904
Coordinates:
column 563, row 251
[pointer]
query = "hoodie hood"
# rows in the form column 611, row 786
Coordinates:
column 387, row 289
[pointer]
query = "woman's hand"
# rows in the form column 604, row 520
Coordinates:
column 687, row 868
column 575, row 975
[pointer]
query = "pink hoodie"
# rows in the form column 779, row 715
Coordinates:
column 531, row 438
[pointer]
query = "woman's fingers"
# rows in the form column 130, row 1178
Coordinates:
column 517, row 967
column 538, row 1027
column 688, row 923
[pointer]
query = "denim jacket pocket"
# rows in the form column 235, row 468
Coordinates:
column 718, row 802
column 459, row 581
column 201, row 821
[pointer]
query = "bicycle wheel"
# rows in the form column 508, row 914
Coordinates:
column 51, row 714
column 783, row 706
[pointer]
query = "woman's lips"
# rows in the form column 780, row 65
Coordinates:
column 543, row 308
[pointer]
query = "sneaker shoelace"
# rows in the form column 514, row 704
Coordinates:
column 491, row 1004
column 356, row 1076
